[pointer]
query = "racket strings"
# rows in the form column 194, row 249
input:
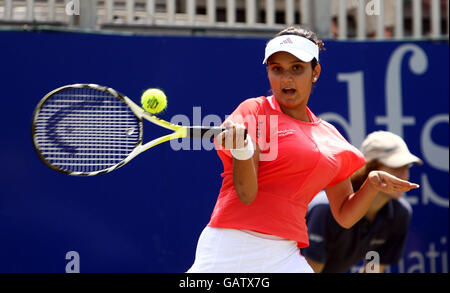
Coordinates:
column 85, row 130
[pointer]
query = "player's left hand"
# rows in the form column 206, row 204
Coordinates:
column 390, row 184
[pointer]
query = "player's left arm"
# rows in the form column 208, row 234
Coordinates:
column 349, row 207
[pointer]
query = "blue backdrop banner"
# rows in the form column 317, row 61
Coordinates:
column 147, row 216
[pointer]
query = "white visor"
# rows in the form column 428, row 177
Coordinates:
column 300, row 47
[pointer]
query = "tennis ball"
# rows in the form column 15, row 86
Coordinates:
column 154, row 100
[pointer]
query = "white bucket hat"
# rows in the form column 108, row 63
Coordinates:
column 302, row 48
column 389, row 149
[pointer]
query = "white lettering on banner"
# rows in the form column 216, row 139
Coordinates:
column 428, row 194
column 444, row 256
column 418, row 267
column 356, row 126
column 435, row 155
column 433, row 260
column 418, row 64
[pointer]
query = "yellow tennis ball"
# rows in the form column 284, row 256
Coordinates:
column 154, row 100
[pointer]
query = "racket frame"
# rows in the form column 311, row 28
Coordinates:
column 179, row 131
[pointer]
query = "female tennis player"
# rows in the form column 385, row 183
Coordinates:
column 258, row 222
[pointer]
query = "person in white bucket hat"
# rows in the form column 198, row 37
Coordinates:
column 389, row 149
column 384, row 227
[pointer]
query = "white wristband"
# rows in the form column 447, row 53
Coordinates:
column 246, row 152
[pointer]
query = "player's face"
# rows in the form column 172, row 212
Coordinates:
column 291, row 80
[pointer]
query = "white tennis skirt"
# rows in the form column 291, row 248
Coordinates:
column 222, row 250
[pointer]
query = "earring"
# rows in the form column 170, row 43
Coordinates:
column 315, row 78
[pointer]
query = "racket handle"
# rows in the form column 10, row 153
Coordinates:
column 209, row 131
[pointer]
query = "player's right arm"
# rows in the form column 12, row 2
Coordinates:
column 245, row 172
column 245, row 179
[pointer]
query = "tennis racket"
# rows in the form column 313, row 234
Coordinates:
column 88, row 129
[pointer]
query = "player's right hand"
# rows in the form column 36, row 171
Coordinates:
column 233, row 137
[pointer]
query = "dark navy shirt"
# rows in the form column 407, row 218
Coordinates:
column 340, row 249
